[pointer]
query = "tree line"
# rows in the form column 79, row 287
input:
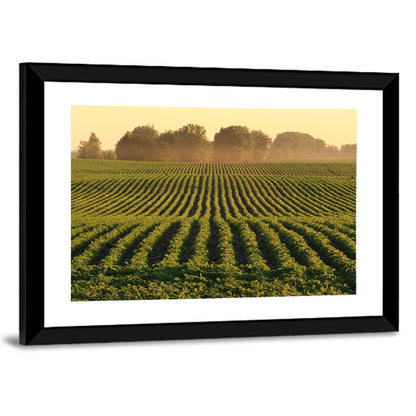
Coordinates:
column 231, row 144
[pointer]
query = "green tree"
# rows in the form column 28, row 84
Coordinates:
column 331, row 151
column 233, row 144
column 261, row 145
column 90, row 149
column 168, row 145
column 349, row 150
column 187, row 144
column 192, row 143
column 140, row 144
column 108, row 154
column 295, row 145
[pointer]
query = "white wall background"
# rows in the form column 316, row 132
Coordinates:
column 327, row 375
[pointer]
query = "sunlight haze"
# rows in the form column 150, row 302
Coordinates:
column 109, row 123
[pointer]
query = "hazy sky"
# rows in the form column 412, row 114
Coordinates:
column 109, row 123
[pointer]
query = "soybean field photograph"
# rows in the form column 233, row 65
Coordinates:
column 182, row 203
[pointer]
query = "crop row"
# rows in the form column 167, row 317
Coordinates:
column 315, row 252
column 121, row 167
column 227, row 195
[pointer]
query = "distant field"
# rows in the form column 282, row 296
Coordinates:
column 152, row 230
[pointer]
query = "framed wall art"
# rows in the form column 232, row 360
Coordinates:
column 177, row 203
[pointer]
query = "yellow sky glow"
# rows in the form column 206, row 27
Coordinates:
column 109, row 123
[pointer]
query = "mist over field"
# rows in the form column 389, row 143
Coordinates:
column 214, row 208
column 231, row 144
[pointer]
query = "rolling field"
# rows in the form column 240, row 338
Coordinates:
column 156, row 230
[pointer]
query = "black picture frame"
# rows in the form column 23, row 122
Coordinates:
column 32, row 79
